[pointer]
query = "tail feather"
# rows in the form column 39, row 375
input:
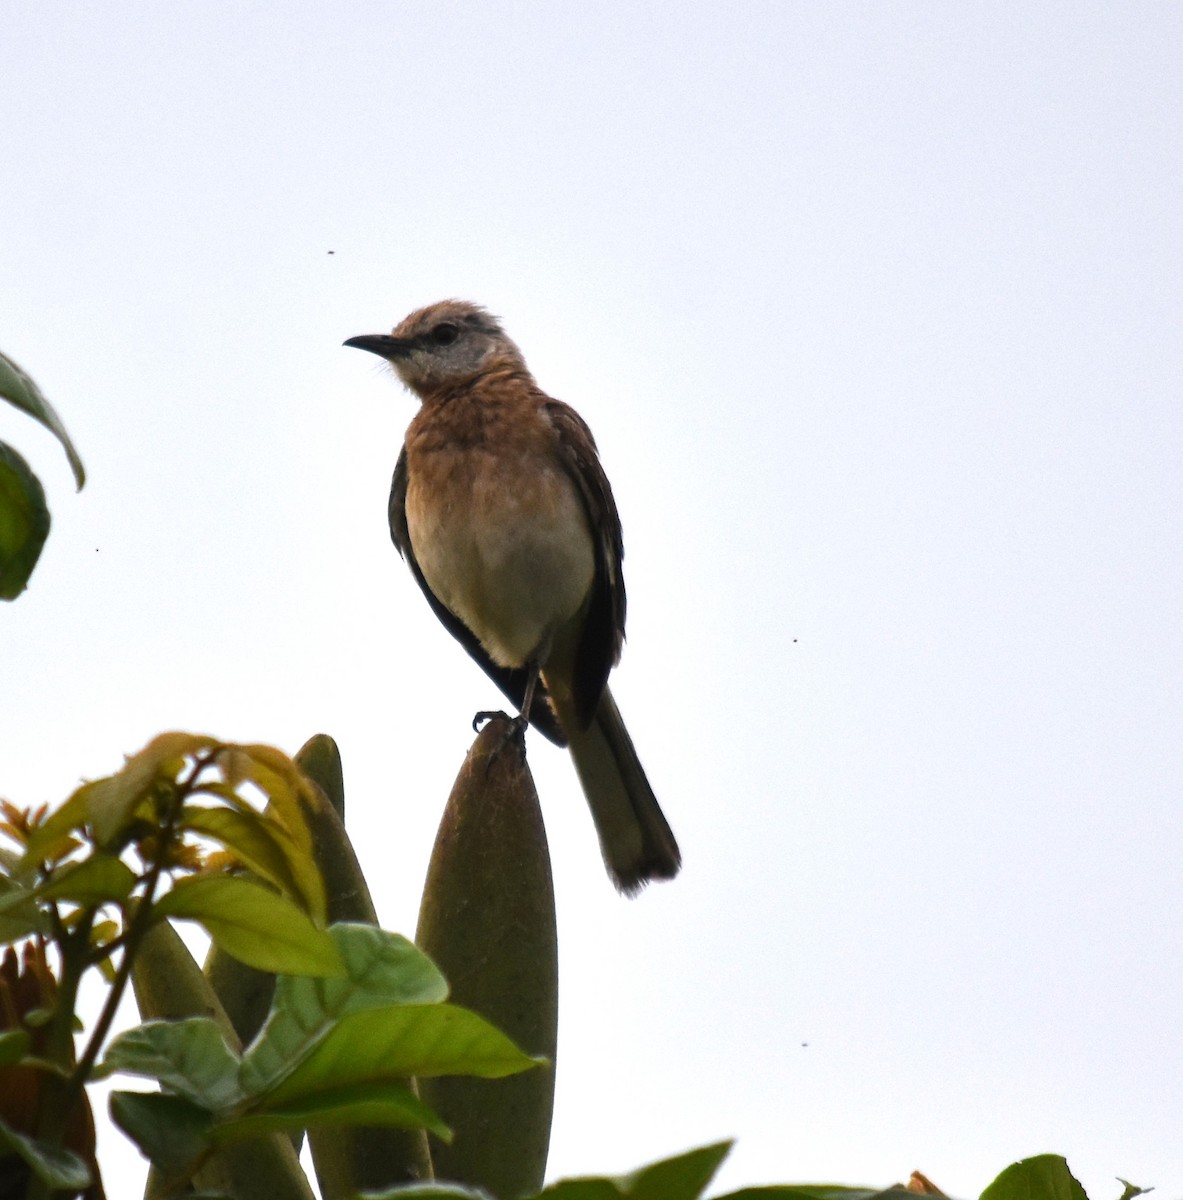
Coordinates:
column 635, row 838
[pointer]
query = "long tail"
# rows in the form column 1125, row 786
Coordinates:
column 635, row 837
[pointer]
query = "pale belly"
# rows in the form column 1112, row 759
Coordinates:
column 515, row 565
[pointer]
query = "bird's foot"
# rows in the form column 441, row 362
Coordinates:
column 486, row 715
column 515, row 733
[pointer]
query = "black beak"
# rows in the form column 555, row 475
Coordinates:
column 382, row 344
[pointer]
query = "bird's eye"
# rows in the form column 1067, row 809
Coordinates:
column 445, row 334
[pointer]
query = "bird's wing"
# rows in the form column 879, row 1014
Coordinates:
column 512, row 681
column 603, row 629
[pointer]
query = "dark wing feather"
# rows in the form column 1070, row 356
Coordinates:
column 512, row 681
column 603, row 629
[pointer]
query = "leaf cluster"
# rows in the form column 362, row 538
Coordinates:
column 196, row 829
column 334, row 1051
column 687, row 1177
column 173, row 834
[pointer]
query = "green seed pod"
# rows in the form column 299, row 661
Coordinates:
column 348, row 1160
column 488, row 920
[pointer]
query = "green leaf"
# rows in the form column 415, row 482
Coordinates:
column 177, row 1136
column 385, row 1104
column 1044, row 1177
column 289, row 794
column 14, row 1045
column 584, row 1189
column 429, row 1191
column 54, row 1166
column 93, row 881
column 24, row 522
column 817, row 1191
column 1130, row 1190
column 13, row 896
column 263, row 845
column 393, row 1043
column 381, row 969
column 170, row 1131
column 17, row 387
column 254, row 924
column 21, row 923
column 19, row 912
column 96, row 880
column 189, row 1057
column 683, row 1177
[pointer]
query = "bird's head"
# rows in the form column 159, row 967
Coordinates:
column 443, row 345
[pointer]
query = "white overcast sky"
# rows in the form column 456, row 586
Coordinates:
column 876, row 312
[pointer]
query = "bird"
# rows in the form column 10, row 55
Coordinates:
column 501, row 508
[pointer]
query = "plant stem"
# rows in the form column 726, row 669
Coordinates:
column 135, row 929
column 60, row 1096
column 56, row 1101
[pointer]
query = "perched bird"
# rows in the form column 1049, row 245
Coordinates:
column 501, row 508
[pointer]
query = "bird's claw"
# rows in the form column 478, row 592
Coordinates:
column 485, row 716
column 515, row 735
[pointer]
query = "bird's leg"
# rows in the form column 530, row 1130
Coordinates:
column 516, row 733
column 519, row 723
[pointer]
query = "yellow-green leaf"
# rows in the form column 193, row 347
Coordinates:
column 96, row 880
column 382, row 969
column 1042, row 1177
column 254, row 924
column 386, row 1104
column 683, row 1177
column 288, row 792
column 393, row 1043
column 262, row 845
